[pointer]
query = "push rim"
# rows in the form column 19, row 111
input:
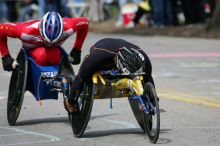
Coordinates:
column 152, row 119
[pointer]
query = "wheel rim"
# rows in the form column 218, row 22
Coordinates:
column 152, row 119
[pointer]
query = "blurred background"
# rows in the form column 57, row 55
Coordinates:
column 134, row 16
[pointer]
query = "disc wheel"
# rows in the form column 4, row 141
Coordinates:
column 151, row 119
column 17, row 89
column 80, row 119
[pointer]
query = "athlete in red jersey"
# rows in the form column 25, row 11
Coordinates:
column 42, row 38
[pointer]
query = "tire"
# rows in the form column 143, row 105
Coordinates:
column 137, row 112
column 80, row 119
column 67, row 70
column 17, row 89
column 152, row 119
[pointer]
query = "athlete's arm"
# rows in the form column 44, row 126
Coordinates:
column 6, row 30
column 80, row 26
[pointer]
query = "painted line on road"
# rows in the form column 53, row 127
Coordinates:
column 216, row 93
column 184, row 97
column 215, row 128
column 1, row 97
column 200, row 64
column 210, row 99
column 12, row 135
column 185, row 55
column 23, row 132
column 124, row 123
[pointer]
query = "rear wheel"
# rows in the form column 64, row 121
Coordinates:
column 80, row 119
column 17, row 89
column 151, row 119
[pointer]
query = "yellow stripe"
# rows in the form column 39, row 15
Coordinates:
column 207, row 101
column 211, row 100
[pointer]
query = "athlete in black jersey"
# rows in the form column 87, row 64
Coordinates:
column 109, row 53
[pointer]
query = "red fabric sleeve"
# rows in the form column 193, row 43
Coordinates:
column 80, row 26
column 6, row 30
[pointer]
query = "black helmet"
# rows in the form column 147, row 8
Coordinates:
column 129, row 60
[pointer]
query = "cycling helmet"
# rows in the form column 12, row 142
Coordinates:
column 129, row 60
column 51, row 27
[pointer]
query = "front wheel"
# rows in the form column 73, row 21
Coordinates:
column 17, row 89
column 151, row 119
column 80, row 119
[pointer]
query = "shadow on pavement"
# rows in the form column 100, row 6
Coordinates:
column 102, row 133
column 137, row 131
column 54, row 120
column 44, row 120
column 101, row 116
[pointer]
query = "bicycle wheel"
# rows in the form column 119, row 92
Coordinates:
column 17, row 89
column 152, row 119
column 80, row 119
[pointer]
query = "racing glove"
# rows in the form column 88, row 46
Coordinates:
column 9, row 63
column 75, row 56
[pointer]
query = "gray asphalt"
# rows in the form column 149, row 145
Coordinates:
column 186, row 74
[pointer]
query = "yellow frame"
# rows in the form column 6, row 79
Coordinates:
column 135, row 85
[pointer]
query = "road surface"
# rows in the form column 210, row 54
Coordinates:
column 186, row 74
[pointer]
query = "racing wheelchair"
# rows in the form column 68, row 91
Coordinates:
column 114, row 84
column 44, row 82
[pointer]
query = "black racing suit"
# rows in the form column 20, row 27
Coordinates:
column 101, row 57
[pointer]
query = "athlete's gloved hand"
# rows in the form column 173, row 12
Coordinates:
column 9, row 63
column 75, row 56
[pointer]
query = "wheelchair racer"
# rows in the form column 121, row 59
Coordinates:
column 43, row 38
column 105, row 54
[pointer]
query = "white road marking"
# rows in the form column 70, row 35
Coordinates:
column 124, row 123
column 1, row 97
column 12, row 135
column 24, row 132
column 212, row 81
column 216, row 93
